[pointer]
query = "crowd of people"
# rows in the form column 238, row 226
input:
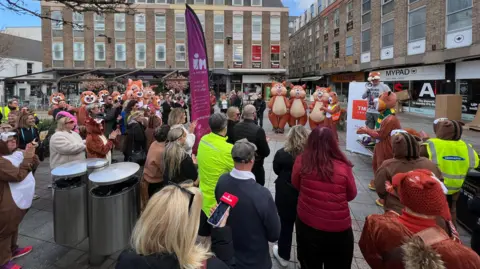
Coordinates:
column 180, row 190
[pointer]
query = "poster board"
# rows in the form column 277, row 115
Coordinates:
column 356, row 116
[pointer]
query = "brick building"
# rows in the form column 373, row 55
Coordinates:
column 247, row 40
column 426, row 46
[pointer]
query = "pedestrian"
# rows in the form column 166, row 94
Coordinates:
column 214, row 159
column 323, row 176
column 12, row 106
column 154, row 122
column 166, row 233
column 213, row 101
column 223, row 103
column 373, row 90
column 129, row 107
column 453, row 156
column 233, row 114
column 413, row 239
column 286, row 196
column 17, row 186
column 177, row 118
column 62, row 106
column 178, row 165
column 166, row 107
column 98, row 146
column 135, row 140
column 256, row 135
column 26, row 130
column 260, row 106
column 66, row 145
column 180, row 103
column 111, row 114
column 254, row 220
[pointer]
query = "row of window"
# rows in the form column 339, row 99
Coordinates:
column 254, row 3
column 160, row 24
column 160, row 52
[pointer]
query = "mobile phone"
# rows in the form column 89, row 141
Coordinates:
column 227, row 201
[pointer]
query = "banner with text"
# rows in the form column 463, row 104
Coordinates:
column 198, row 75
column 356, row 116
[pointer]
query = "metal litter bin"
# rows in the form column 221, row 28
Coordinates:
column 470, row 189
column 115, row 206
column 70, row 225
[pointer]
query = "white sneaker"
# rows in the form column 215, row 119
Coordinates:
column 281, row 261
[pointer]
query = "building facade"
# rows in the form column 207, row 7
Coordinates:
column 247, row 40
column 426, row 46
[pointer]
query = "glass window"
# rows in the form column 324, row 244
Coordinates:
column 366, row 6
column 350, row 11
column 336, row 47
column 57, row 49
column 238, row 53
column 325, row 53
column 219, row 2
column 218, row 23
column 238, row 2
column 319, row 4
column 179, row 1
column 179, row 23
column 78, row 21
column 160, row 52
column 180, row 52
column 416, row 24
column 160, row 23
column 317, row 30
column 275, row 54
column 257, row 3
column 120, row 52
column 57, row 20
column 367, row 17
column 99, row 20
column 237, row 27
column 256, row 53
column 78, row 51
column 349, row 46
column 325, row 25
column 161, row 1
column 312, row 11
column 201, row 18
column 218, row 50
column 257, row 28
column 366, row 41
column 200, row 2
column 119, row 22
column 336, row 18
column 99, row 51
column 140, row 22
column 387, row 6
column 412, row 1
column 459, row 14
column 140, row 51
column 29, row 68
column 387, row 34
column 275, row 28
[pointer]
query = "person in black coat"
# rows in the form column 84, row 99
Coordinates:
column 233, row 114
column 286, row 195
column 260, row 105
column 256, row 135
column 176, row 209
column 166, row 107
column 136, row 139
column 474, row 207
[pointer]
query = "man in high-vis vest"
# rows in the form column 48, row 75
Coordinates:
column 11, row 106
column 453, row 157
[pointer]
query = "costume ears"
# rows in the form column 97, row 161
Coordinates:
column 304, row 86
column 153, row 86
column 284, row 84
column 130, row 81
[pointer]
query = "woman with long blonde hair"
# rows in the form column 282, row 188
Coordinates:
column 286, row 195
column 178, row 165
column 177, row 118
column 166, row 233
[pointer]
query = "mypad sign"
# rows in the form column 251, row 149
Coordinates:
column 428, row 72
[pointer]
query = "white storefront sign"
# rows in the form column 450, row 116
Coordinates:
column 458, row 39
column 386, row 53
column 416, row 47
column 467, row 70
column 365, row 58
column 428, row 72
column 256, row 79
column 356, row 113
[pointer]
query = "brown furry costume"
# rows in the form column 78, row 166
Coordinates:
column 11, row 215
column 96, row 148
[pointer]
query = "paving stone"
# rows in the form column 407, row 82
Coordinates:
column 361, row 211
column 362, row 264
column 70, row 258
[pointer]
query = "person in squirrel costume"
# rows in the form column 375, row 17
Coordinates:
column 117, row 96
column 101, row 95
column 332, row 113
column 54, row 99
column 320, row 99
column 132, row 85
column 412, row 239
column 298, row 106
column 373, row 90
column 87, row 98
column 17, row 188
column 148, row 94
column 452, row 155
column 278, row 107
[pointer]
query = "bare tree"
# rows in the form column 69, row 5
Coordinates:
column 6, row 43
column 80, row 6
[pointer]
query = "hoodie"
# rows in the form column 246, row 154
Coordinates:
column 406, row 157
column 446, row 130
column 98, row 146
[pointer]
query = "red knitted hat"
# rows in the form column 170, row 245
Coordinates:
column 422, row 192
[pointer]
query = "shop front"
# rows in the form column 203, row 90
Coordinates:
column 468, row 85
column 255, row 85
column 340, row 82
column 422, row 82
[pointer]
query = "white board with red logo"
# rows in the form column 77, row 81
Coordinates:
column 356, row 116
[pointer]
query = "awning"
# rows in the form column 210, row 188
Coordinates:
column 257, row 71
column 312, row 78
column 293, row 80
column 256, row 79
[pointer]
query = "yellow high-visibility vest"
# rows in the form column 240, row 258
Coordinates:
column 5, row 111
column 454, row 159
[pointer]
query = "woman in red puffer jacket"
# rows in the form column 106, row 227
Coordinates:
column 323, row 176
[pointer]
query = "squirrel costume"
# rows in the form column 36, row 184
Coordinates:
column 17, row 187
column 332, row 113
column 55, row 98
column 278, row 107
column 320, row 99
column 87, row 98
column 101, row 94
column 298, row 106
column 117, row 97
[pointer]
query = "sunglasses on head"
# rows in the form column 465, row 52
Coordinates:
column 190, row 194
column 70, row 122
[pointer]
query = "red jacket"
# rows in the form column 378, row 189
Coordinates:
column 323, row 203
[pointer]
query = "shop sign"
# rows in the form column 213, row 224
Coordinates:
column 348, row 77
column 349, row 25
column 275, row 49
column 416, row 47
column 237, row 64
column 256, row 65
column 236, row 81
column 336, row 32
column 275, row 65
column 426, row 95
column 256, row 53
column 428, row 72
column 470, row 101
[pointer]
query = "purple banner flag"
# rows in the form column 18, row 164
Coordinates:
column 198, row 75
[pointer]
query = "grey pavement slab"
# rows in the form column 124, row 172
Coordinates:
column 36, row 228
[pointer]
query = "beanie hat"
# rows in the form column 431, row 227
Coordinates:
column 423, row 193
